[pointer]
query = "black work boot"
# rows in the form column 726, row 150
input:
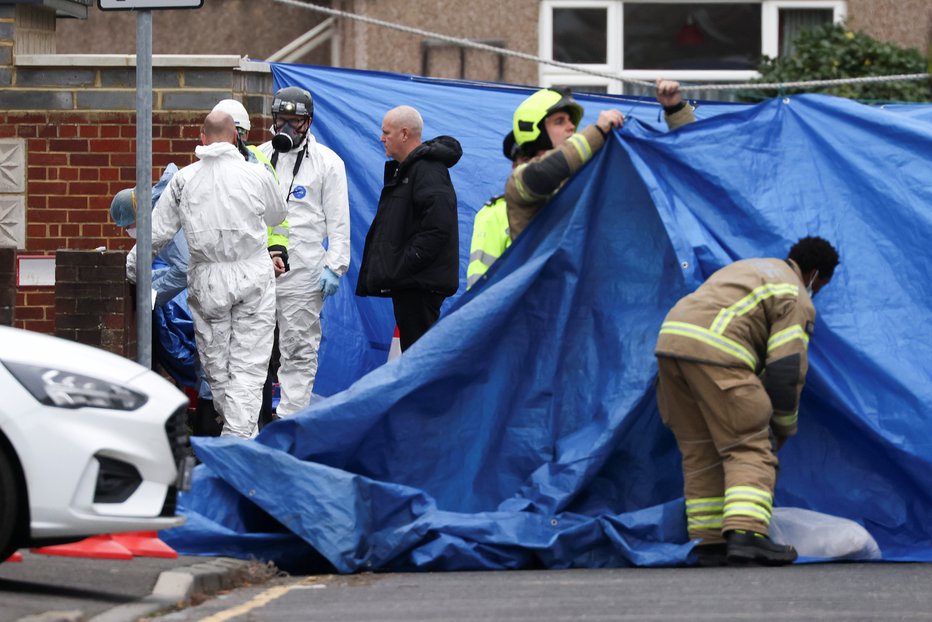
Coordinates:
column 750, row 547
column 710, row 555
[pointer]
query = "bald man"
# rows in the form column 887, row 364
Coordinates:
column 412, row 248
column 224, row 205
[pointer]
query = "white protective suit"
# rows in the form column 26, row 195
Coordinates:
column 318, row 209
column 224, row 204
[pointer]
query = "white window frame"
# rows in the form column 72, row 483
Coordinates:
column 770, row 16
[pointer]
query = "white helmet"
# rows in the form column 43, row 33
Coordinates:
column 235, row 110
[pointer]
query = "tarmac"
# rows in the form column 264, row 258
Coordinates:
column 67, row 589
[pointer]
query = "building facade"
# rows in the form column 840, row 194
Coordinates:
column 67, row 83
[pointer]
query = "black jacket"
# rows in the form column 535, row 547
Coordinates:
column 413, row 242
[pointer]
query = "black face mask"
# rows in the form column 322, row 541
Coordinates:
column 286, row 139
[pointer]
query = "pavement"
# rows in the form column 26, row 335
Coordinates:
column 67, row 589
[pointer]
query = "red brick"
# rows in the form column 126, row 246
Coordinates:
column 69, row 173
column 37, row 145
column 71, row 203
column 30, row 313
column 73, row 145
column 170, row 131
column 71, row 118
column 115, row 118
column 67, row 131
column 161, row 145
column 110, row 131
column 88, row 187
column 35, row 201
column 39, row 326
column 35, row 230
column 40, row 299
column 128, row 131
column 48, row 215
column 124, row 159
column 89, row 159
column 88, row 131
column 48, row 187
column 92, row 231
column 109, row 174
column 27, row 118
column 89, row 216
column 7, row 131
column 26, row 131
column 88, row 174
column 34, row 173
column 114, row 321
column 112, row 145
column 49, row 244
column 191, row 131
column 183, row 145
column 48, row 159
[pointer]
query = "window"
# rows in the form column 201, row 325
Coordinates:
column 698, row 41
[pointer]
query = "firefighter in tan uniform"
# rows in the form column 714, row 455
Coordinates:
column 552, row 151
column 732, row 363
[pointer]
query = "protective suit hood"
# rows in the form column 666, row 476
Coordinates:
column 215, row 150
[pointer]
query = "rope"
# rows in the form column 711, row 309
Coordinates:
column 600, row 74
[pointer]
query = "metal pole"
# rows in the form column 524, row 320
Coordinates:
column 144, row 187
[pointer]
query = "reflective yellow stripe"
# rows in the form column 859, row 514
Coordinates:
column 704, row 504
column 482, row 256
column 749, row 302
column 527, row 196
column 704, row 522
column 719, row 342
column 749, row 492
column 787, row 335
column 582, row 146
column 786, row 421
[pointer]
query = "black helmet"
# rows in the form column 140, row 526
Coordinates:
column 293, row 100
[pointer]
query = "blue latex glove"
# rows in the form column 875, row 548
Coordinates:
column 329, row 282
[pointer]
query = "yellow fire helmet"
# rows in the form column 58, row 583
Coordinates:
column 528, row 123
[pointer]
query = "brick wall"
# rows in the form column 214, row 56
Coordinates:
column 7, row 285
column 75, row 116
column 93, row 301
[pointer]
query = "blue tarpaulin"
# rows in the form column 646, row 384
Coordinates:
column 521, row 431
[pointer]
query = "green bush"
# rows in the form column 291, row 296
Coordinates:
column 832, row 52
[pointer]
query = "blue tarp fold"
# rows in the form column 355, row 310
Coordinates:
column 522, row 431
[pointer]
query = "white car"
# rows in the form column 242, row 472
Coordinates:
column 90, row 443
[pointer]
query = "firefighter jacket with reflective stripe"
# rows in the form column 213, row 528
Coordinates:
column 533, row 183
column 490, row 238
column 754, row 314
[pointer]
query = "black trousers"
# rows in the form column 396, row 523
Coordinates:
column 416, row 310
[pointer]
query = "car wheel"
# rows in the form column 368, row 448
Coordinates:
column 9, row 507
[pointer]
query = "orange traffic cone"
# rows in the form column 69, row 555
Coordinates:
column 145, row 544
column 97, row 547
column 394, row 351
column 15, row 557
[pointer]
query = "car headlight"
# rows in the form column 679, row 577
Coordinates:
column 65, row 389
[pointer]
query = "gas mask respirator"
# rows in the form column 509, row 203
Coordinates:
column 286, row 138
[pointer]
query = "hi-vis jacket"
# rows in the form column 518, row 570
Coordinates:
column 753, row 314
column 490, row 238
